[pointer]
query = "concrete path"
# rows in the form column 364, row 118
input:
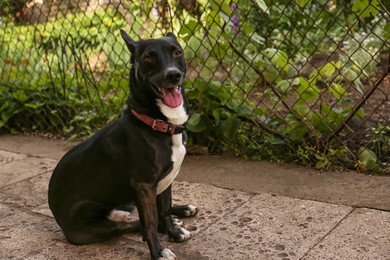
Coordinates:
column 248, row 210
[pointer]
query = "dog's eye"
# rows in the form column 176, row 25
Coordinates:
column 148, row 58
column 177, row 54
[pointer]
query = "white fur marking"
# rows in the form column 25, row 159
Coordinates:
column 175, row 116
column 178, row 153
column 119, row 216
column 177, row 223
column 192, row 210
column 185, row 234
column 167, row 254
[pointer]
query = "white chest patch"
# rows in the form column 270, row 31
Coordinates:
column 178, row 153
column 175, row 116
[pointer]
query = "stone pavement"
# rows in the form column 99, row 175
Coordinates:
column 235, row 222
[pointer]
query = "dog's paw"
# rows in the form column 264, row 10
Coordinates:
column 184, row 234
column 120, row 216
column 177, row 223
column 185, row 211
column 179, row 235
column 192, row 210
column 167, row 254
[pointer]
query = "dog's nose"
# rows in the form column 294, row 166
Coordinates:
column 173, row 76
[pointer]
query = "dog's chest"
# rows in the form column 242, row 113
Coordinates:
column 178, row 153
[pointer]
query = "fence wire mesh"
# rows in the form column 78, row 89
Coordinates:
column 304, row 81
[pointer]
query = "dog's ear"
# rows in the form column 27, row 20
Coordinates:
column 171, row 35
column 129, row 41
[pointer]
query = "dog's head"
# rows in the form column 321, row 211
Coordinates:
column 158, row 66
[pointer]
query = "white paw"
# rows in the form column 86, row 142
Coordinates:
column 120, row 216
column 167, row 254
column 184, row 234
column 192, row 210
column 177, row 222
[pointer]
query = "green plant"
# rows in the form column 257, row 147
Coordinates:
column 218, row 112
column 48, row 83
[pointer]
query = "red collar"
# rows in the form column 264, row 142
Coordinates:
column 159, row 125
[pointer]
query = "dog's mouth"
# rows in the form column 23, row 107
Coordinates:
column 172, row 96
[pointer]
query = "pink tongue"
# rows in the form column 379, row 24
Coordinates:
column 172, row 98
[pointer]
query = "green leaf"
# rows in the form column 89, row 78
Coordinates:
column 257, row 38
column 369, row 159
column 20, row 96
column 302, row 3
column 286, row 84
column 360, row 113
column 221, row 5
column 366, row 8
column 322, row 164
column 263, row 6
column 271, row 75
column 278, row 58
column 298, row 131
column 325, row 71
column 321, row 124
column 244, row 111
column 219, row 50
column 386, row 31
column 366, row 155
column 306, row 92
column 196, row 123
column 33, row 106
column 188, row 29
column 337, row 90
column 229, row 128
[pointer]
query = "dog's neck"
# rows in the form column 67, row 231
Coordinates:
column 175, row 116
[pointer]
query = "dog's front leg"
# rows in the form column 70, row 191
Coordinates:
column 147, row 208
column 166, row 224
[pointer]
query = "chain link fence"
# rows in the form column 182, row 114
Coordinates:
column 304, row 81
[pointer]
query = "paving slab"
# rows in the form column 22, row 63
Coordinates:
column 20, row 169
column 115, row 249
column 23, row 234
column 347, row 188
column 213, row 203
column 27, row 193
column 27, row 236
column 35, row 146
column 7, row 157
column 268, row 227
column 364, row 234
column 6, row 211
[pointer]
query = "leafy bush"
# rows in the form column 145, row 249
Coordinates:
column 48, row 83
column 263, row 47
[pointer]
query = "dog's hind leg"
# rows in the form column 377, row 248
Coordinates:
column 98, row 231
column 90, row 224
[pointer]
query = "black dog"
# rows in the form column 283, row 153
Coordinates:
column 131, row 161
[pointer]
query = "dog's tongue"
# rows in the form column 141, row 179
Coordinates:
column 172, row 97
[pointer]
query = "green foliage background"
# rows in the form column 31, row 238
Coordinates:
column 246, row 58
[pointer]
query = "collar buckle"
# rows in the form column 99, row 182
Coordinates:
column 155, row 122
